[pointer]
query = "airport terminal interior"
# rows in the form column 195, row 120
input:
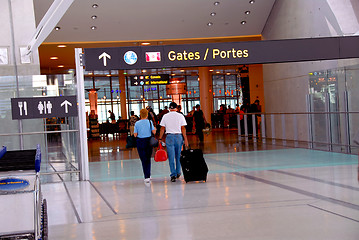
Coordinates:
column 286, row 168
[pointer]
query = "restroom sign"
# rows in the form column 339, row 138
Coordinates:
column 43, row 107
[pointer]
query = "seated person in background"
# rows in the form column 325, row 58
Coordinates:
column 229, row 109
column 237, row 110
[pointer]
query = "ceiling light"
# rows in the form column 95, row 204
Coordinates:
column 93, row 16
column 61, row 66
column 209, row 24
column 54, row 58
column 247, row 12
column 61, row 46
column 213, row 14
column 216, row 3
column 95, row 5
column 145, row 43
column 243, row 22
column 93, row 27
column 251, row 1
column 57, row 28
column 211, row 70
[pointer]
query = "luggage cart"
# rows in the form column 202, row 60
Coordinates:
column 23, row 213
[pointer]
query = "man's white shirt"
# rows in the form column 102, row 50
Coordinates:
column 173, row 121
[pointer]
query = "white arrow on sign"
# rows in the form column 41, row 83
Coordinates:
column 104, row 55
column 67, row 104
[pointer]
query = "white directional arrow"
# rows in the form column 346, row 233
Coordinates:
column 67, row 104
column 104, row 55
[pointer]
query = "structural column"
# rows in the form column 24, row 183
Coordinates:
column 16, row 29
column 206, row 92
column 122, row 82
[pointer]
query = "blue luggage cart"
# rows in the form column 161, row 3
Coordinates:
column 23, row 212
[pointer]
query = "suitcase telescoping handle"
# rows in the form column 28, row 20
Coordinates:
column 186, row 148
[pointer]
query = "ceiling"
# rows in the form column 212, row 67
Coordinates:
column 159, row 22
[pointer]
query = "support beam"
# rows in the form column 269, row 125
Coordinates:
column 48, row 23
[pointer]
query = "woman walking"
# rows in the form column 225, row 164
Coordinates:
column 143, row 129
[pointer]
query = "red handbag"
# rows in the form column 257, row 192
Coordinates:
column 161, row 154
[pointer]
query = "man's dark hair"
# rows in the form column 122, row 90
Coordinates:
column 173, row 105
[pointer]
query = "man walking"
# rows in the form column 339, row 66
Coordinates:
column 174, row 123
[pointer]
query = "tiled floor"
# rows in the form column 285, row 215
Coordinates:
column 268, row 193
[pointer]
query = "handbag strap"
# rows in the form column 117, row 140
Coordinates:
column 150, row 124
column 149, row 121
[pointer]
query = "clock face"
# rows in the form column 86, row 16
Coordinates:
column 4, row 56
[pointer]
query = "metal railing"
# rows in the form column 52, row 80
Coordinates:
column 331, row 131
column 75, row 170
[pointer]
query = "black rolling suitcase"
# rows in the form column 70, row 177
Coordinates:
column 131, row 142
column 194, row 167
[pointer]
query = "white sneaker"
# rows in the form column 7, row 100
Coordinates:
column 147, row 180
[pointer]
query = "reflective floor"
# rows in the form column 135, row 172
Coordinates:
column 253, row 191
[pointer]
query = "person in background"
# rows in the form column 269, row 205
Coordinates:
column 230, row 110
column 174, row 124
column 242, row 110
column 179, row 109
column 143, row 133
column 238, row 109
column 199, row 122
column 151, row 115
column 133, row 119
column 112, row 116
column 255, row 108
column 163, row 112
column 190, row 114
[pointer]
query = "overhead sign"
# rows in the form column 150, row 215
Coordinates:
column 141, row 80
column 231, row 53
column 176, row 88
column 43, row 107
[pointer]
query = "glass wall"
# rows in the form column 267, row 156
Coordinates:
column 333, row 99
column 137, row 97
column 227, row 91
column 57, row 137
column 191, row 99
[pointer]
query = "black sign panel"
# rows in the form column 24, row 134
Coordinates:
column 254, row 52
column 160, row 79
column 43, row 107
column 113, row 58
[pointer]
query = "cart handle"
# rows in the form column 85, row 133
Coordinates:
column 3, row 151
column 38, row 158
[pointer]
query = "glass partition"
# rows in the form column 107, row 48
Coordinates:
column 333, row 99
column 57, row 137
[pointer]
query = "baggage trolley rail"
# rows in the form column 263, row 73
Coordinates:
column 19, row 180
